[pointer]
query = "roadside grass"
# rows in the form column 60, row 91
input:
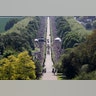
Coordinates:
column 60, row 76
column 36, row 50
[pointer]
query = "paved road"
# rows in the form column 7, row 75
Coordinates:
column 48, row 62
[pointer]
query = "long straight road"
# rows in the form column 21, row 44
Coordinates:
column 48, row 61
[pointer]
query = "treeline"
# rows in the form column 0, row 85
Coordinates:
column 11, row 23
column 62, row 27
column 79, row 45
column 80, row 62
column 8, row 22
column 89, row 22
column 20, row 41
column 70, row 31
column 12, row 44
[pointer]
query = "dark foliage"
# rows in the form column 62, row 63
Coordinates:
column 11, row 23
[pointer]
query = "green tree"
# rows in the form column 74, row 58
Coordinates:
column 10, row 23
column 26, row 67
column 17, row 68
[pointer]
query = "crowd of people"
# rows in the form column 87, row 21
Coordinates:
column 53, row 71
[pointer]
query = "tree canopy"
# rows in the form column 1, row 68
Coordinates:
column 17, row 68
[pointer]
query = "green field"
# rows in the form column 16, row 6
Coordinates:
column 76, row 27
column 4, row 20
